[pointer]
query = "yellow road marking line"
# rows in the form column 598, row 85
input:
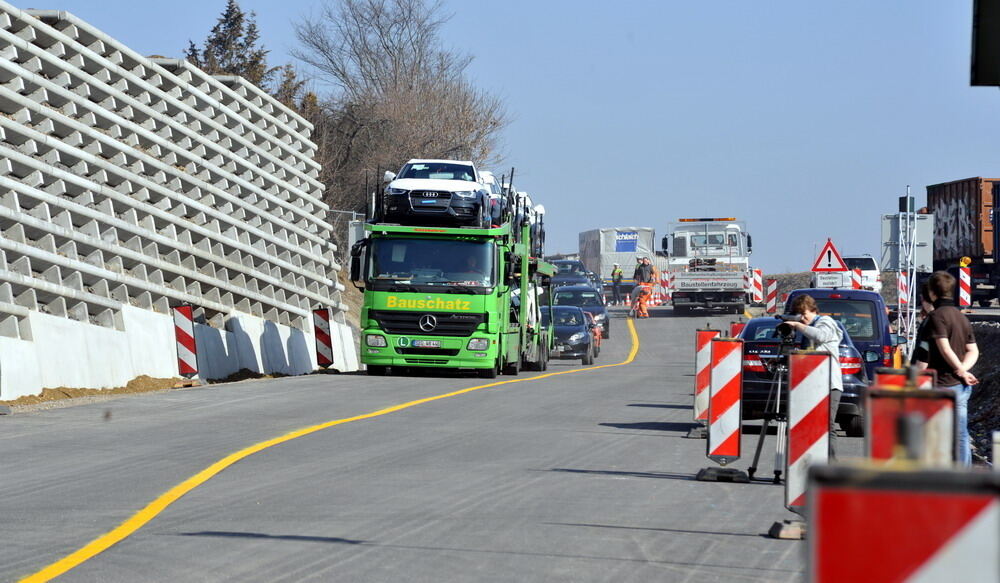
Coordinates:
column 140, row 518
column 747, row 314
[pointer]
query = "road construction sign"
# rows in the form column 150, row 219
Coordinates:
column 829, row 259
column 924, row 525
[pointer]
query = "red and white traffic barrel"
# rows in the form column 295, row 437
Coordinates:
column 725, row 403
column 702, row 371
column 758, row 286
column 809, row 378
column 772, row 296
column 856, row 278
column 324, row 344
column 187, row 348
column 964, row 286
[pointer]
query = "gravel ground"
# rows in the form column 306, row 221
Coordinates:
column 984, row 406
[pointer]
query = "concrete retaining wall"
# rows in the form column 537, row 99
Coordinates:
column 130, row 184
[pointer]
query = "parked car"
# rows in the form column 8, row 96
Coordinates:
column 571, row 272
column 573, row 336
column 436, row 192
column 588, row 298
column 761, row 349
column 597, row 330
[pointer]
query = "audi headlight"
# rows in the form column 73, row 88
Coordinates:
column 376, row 340
column 579, row 336
column 465, row 193
column 396, row 191
column 479, row 344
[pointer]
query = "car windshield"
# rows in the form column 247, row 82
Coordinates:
column 571, row 268
column 862, row 263
column 577, row 298
column 439, row 171
column 432, row 262
column 564, row 317
column 857, row 316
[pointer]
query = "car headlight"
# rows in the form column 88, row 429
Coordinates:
column 479, row 344
column 600, row 317
column 376, row 340
column 576, row 337
column 465, row 194
column 396, row 191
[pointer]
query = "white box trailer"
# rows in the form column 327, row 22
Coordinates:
column 600, row 249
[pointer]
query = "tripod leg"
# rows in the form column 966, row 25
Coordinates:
column 779, row 452
column 760, row 445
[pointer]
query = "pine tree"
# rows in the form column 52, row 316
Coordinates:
column 233, row 48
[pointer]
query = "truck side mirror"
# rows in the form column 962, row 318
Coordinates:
column 355, row 269
column 357, row 260
column 665, row 244
column 388, row 177
column 749, row 244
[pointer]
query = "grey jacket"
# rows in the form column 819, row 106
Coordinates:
column 824, row 334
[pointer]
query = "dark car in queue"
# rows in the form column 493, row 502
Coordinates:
column 588, row 298
column 573, row 337
column 571, row 272
column 761, row 352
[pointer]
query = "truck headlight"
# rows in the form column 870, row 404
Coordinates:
column 376, row 340
column 465, row 194
column 478, row 344
column 576, row 337
column 396, row 191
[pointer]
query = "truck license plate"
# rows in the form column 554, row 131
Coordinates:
column 427, row 344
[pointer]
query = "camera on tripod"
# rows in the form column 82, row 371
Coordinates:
column 786, row 333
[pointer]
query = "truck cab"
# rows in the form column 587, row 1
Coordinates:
column 707, row 259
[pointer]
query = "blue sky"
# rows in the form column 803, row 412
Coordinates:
column 805, row 119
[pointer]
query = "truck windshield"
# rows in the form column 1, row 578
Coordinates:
column 432, row 262
column 438, row 171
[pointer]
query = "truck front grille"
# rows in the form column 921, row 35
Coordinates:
column 448, row 324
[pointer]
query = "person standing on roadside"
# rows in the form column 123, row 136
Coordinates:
column 643, row 277
column 951, row 351
column 616, row 285
column 823, row 333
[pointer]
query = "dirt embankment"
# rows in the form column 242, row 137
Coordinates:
column 984, row 406
column 141, row 384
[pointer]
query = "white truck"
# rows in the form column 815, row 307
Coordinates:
column 707, row 261
column 600, row 249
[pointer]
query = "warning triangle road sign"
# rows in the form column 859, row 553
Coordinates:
column 829, row 259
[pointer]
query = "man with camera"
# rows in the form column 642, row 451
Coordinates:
column 822, row 333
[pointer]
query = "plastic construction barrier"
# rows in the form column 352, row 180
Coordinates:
column 758, row 286
column 324, row 345
column 725, row 409
column 935, row 408
column 772, row 296
column 702, row 371
column 964, row 286
column 735, row 328
column 856, row 279
column 902, row 289
column 888, row 378
column 809, row 375
column 187, row 348
column 873, row 526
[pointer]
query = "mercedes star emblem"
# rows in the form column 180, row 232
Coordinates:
column 427, row 322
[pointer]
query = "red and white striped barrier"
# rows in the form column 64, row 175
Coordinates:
column 904, row 526
column 856, row 279
column 702, row 371
column 725, row 414
column 187, row 348
column 936, row 408
column 324, row 344
column 903, row 289
column 735, row 328
column 667, row 282
column 896, row 378
column 808, row 422
column 772, row 296
column 758, row 286
column 964, row 286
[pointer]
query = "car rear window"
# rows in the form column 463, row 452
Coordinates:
column 577, row 298
column 862, row 263
column 857, row 316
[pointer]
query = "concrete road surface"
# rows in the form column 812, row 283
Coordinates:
column 575, row 477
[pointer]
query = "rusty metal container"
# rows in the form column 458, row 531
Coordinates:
column 962, row 226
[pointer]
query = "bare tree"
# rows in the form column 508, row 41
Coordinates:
column 397, row 93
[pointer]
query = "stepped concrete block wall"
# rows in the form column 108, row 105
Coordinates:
column 130, row 184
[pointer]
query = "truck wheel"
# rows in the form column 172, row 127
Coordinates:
column 488, row 373
column 512, row 368
column 985, row 303
column 376, row 370
column 854, row 426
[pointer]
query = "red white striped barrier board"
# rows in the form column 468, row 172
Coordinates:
column 702, row 371
column 884, row 407
column 772, row 296
column 964, row 286
column 856, row 279
column 666, row 281
column 903, row 526
column 725, row 412
column 808, row 422
column 758, row 286
column 735, row 328
column 903, row 289
column 890, row 378
column 187, row 349
column 324, row 344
